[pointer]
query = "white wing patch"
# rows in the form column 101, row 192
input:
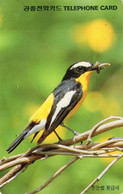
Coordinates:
column 36, row 128
column 82, row 63
column 64, row 102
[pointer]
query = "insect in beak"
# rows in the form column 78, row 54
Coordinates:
column 98, row 66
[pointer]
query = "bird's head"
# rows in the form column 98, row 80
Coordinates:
column 77, row 69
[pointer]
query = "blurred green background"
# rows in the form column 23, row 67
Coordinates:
column 36, row 48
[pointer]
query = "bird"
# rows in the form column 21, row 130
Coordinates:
column 61, row 104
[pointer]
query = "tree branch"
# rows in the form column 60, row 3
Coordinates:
column 67, row 147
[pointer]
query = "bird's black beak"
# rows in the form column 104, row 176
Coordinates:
column 98, row 66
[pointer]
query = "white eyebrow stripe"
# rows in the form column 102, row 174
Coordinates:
column 82, row 63
column 64, row 102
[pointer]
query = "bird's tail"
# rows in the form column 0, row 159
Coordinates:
column 17, row 141
column 20, row 138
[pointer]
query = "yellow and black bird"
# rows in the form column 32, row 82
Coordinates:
column 62, row 103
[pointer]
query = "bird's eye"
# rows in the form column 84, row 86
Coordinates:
column 81, row 68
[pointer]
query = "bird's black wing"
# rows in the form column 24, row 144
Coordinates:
column 67, row 94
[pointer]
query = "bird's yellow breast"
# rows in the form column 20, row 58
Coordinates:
column 44, row 110
column 84, row 80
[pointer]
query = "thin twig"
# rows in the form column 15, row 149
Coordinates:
column 98, row 124
column 102, row 144
column 102, row 173
column 17, row 161
column 12, row 174
column 58, row 172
